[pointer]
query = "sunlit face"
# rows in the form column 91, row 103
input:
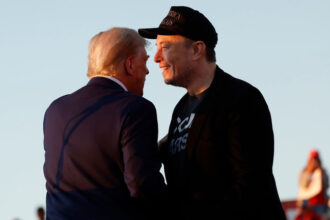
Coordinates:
column 140, row 71
column 174, row 57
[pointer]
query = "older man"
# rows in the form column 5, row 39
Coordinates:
column 102, row 160
column 218, row 156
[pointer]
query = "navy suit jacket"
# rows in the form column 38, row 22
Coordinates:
column 101, row 155
column 229, row 156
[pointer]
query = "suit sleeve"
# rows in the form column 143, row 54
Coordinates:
column 251, row 148
column 140, row 153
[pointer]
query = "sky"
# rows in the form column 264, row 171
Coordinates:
column 281, row 47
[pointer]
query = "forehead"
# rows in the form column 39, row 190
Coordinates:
column 170, row 39
column 141, row 51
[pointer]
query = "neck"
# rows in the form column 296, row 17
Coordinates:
column 202, row 80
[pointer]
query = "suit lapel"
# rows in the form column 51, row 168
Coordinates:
column 204, row 112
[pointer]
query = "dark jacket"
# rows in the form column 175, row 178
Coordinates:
column 101, row 156
column 230, row 150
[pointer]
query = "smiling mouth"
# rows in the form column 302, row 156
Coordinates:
column 164, row 67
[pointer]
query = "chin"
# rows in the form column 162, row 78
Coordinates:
column 168, row 81
column 172, row 82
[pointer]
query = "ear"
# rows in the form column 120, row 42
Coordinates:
column 129, row 65
column 199, row 48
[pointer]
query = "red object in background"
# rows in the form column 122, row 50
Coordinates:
column 309, row 215
column 290, row 204
column 313, row 154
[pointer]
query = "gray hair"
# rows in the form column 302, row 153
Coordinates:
column 109, row 49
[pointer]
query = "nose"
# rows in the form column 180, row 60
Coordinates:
column 158, row 56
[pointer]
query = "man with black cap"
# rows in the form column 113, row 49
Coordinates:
column 218, row 154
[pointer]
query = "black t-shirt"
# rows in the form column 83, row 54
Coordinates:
column 178, row 140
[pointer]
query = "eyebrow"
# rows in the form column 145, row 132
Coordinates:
column 161, row 42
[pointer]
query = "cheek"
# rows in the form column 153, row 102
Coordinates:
column 145, row 68
column 169, row 57
column 174, row 59
column 142, row 69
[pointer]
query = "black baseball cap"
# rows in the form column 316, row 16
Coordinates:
column 185, row 21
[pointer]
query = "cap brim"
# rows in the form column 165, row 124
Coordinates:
column 151, row 33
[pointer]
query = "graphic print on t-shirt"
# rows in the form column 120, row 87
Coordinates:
column 182, row 121
column 180, row 134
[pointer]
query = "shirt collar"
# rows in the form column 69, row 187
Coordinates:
column 115, row 80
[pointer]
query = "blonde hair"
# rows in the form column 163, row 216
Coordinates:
column 109, row 49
